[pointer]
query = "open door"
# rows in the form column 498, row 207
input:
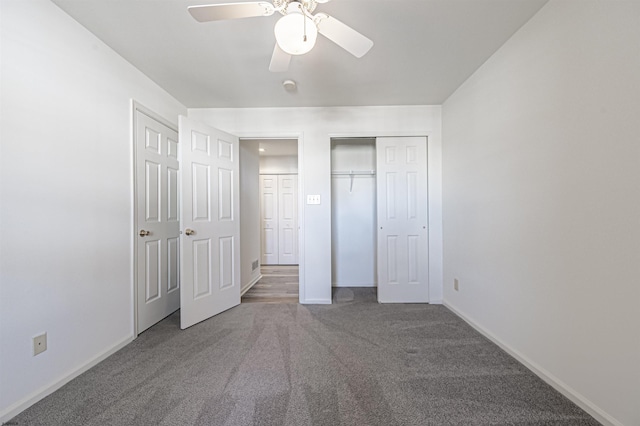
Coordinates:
column 157, row 221
column 210, row 228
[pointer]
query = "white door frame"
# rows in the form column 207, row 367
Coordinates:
column 431, row 237
column 135, row 107
column 300, row 138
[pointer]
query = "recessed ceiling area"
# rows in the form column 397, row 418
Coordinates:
column 423, row 50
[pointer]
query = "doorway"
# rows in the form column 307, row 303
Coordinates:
column 353, row 212
column 269, row 204
column 198, row 270
column 379, row 216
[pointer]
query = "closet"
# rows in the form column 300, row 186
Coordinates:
column 379, row 216
column 353, row 212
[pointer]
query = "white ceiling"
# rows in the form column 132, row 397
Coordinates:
column 423, row 51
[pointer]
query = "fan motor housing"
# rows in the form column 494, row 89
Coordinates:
column 309, row 5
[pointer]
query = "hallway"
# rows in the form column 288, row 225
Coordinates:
column 279, row 284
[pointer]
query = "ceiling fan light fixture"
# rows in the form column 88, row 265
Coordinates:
column 296, row 33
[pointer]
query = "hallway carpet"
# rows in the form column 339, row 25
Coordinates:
column 354, row 362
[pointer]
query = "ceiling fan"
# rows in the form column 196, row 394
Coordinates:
column 296, row 31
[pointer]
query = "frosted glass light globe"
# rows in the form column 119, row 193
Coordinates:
column 290, row 33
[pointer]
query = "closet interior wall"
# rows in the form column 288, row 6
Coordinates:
column 353, row 212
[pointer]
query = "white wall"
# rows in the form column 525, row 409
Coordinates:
column 249, row 212
column 278, row 164
column 66, row 191
column 542, row 201
column 353, row 213
column 315, row 127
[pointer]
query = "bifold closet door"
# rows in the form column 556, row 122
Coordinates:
column 269, row 225
column 402, row 220
column 279, row 219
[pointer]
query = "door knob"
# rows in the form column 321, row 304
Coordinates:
column 189, row 231
column 144, row 233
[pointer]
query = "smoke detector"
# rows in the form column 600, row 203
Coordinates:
column 289, row 85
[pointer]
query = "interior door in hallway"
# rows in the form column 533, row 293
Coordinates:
column 279, row 219
column 210, row 240
column 401, row 164
column 287, row 219
column 269, row 224
column 157, row 221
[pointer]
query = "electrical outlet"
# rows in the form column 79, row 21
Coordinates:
column 39, row 344
column 456, row 284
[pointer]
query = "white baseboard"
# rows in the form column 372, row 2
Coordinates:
column 247, row 287
column 575, row 397
column 436, row 302
column 20, row 406
column 316, row 301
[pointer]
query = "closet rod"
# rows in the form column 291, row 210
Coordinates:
column 352, row 174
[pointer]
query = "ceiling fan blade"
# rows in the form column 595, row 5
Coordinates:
column 219, row 12
column 343, row 35
column 279, row 60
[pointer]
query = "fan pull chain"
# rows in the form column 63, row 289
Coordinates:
column 304, row 20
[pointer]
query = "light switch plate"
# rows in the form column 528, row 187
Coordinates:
column 313, row 199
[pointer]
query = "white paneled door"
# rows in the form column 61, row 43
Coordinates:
column 210, row 240
column 288, row 219
column 157, row 247
column 279, row 219
column 402, row 220
column 269, row 219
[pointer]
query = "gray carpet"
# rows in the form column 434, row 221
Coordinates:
column 351, row 363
